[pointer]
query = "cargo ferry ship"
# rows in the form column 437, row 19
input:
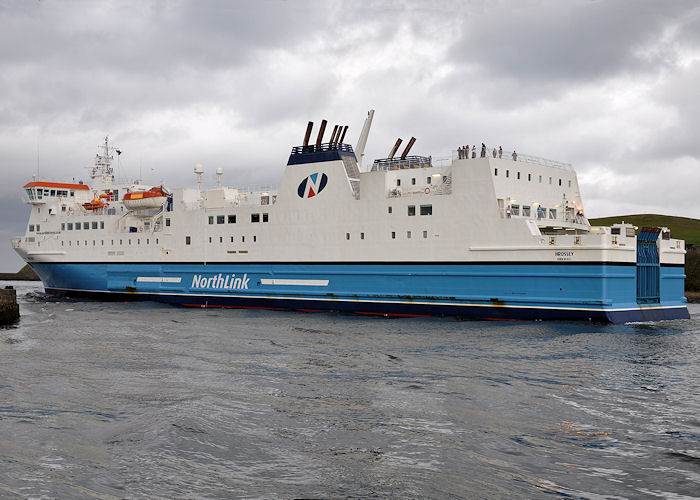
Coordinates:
column 490, row 235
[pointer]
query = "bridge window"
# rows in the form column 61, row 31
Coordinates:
column 102, row 224
column 266, row 218
column 211, row 219
column 31, row 228
column 411, row 210
column 526, row 210
column 63, row 226
column 70, row 226
column 515, row 209
column 86, row 225
column 426, row 210
column 254, row 217
column 231, row 219
column 38, row 228
column 53, row 192
column 94, row 225
column 220, row 219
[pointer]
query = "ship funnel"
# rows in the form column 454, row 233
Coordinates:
column 320, row 133
column 308, row 133
column 395, row 148
column 335, row 131
column 408, row 147
column 342, row 137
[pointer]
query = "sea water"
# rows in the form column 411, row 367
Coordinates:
column 144, row 400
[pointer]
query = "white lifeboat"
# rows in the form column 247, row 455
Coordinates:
column 139, row 200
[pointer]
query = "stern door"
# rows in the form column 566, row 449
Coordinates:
column 648, row 266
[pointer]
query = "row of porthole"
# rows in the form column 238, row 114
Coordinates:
column 102, row 242
column 529, row 177
column 393, row 235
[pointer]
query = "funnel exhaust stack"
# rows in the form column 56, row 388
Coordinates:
column 395, row 148
column 320, row 133
column 408, row 148
column 335, row 131
column 308, row 133
column 342, row 137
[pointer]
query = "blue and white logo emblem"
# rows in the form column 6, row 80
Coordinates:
column 312, row 185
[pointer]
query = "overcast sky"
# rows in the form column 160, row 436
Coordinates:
column 612, row 87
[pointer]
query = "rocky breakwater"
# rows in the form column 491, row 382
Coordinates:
column 9, row 309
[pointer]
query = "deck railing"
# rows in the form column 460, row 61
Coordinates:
column 508, row 155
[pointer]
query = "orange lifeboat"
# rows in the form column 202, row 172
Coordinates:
column 153, row 198
column 94, row 204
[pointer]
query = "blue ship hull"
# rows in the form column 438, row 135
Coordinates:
column 510, row 291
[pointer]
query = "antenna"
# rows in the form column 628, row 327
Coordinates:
column 362, row 141
column 199, row 170
column 219, row 173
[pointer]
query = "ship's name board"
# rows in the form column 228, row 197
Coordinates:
column 564, row 254
column 221, row 282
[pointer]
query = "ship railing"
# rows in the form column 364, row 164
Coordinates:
column 326, row 146
column 511, row 155
column 384, row 164
column 16, row 242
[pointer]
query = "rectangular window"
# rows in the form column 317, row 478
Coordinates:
column 540, row 179
column 518, row 175
column 569, row 183
column 94, row 224
column 77, row 226
column 53, row 192
column 389, row 209
column 526, row 210
column 266, row 218
column 86, row 225
column 38, row 228
column 411, row 210
column 398, row 182
column 63, row 226
column 211, row 219
column 188, row 240
column 408, row 234
column 428, row 180
column 255, row 238
column 560, row 182
column 425, row 234
column 231, row 219
column 243, row 239
column 426, row 210
column 393, row 235
column 209, row 239
column 220, row 219
column 516, row 209
column 138, row 241
column 221, row 239
column 31, row 228
column 507, row 173
column 70, row 226
column 102, row 224
column 552, row 213
column 550, row 180
column 413, row 181
column 231, row 239
column 129, row 241
column 347, row 236
column 254, row 217
column 362, row 236
column 495, row 171
column 167, row 222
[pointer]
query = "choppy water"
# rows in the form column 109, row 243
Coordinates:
column 141, row 400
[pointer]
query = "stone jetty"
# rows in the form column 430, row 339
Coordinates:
column 9, row 309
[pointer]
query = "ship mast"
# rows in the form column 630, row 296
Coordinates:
column 103, row 173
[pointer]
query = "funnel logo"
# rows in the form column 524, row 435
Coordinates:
column 312, row 185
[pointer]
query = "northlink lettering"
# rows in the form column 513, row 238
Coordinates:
column 221, row 281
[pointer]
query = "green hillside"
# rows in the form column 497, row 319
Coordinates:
column 682, row 228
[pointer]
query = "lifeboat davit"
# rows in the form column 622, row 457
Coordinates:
column 95, row 204
column 138, row 200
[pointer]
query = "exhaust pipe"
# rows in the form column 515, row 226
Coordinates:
column 408, row 148
column 308, row 133
column 345, row 129
column 320, row 133
column 395, row 148
column 335, row 131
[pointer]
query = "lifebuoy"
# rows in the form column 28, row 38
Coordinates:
column 427, row 190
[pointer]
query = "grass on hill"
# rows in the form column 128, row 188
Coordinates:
column 682, row 228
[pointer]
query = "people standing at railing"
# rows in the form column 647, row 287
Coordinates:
column 459, row 152
column 483, row 150
column 500, row 152
column 494, row 152
column 474, row 151
column 465, row 149
column 515, row 156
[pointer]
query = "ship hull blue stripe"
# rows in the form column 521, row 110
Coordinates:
column 603, row 292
